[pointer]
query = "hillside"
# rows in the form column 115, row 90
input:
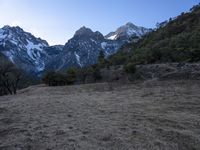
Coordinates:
column 176, row 40
column 148, row 116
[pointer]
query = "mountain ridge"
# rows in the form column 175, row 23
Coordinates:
column 35, row 55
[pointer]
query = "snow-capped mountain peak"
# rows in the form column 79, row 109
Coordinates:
column 23, row 48
column 127, row 31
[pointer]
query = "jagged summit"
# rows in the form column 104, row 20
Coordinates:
column 17, row 34
column 22, row 48
column 6, row 27
column 83, row 31
column 130, row 24
column 127, row 31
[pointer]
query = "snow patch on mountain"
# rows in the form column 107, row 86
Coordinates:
column 93, row 41
column 30, row 50
column 103, row 45
column 127, row 31
column 78, row 59
column 31, row 46
column 112, row 37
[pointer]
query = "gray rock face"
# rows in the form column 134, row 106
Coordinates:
column 31, row 54
column 83, row 49
column 23, row 49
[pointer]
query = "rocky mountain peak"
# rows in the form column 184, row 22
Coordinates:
column 83, row 31
column 17, row 35
column 23, row 49
column 130, row 24
column 15, row 29
column 127, row 31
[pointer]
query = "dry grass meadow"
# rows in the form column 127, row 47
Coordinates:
column 153, row 115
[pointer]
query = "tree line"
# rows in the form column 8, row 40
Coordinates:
column 76, row 75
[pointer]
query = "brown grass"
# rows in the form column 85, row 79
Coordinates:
column 144, row 116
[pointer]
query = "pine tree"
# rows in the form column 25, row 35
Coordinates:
column 101, row 58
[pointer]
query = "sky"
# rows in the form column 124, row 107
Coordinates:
column 57, row 20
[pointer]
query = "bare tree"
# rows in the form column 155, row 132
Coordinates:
column 9, row 78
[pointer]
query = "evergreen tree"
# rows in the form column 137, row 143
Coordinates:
column 71, row 76
column 101, row 59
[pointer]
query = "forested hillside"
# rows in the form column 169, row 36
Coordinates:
column 176, row 40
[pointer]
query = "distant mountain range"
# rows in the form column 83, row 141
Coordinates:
column 35, row 56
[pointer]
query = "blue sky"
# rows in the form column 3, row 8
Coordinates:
column 57, row 20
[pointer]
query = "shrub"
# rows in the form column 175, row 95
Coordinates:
column 60, row 79
column 130, row 68
column 54, row 79
column 71, row 76
column 95, row 70
column 10, row 77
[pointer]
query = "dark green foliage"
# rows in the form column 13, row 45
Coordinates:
column 101, row 59
column 92, row 72
column 118, row 59
column 95, row 70
column 27, row 80
column 55, row 79
column 82, row 74
column 178, row 41
column 60, row 79
column 130, row 68
column 71, row 76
